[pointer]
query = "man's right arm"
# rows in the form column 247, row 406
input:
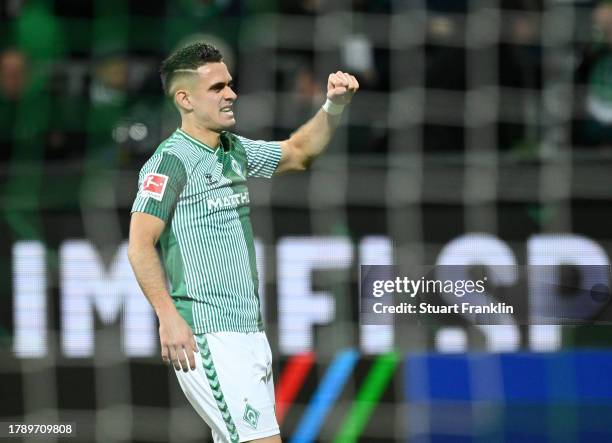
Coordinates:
column 176, row 337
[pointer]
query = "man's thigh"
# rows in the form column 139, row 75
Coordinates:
column 273, row 439
column 232, row 386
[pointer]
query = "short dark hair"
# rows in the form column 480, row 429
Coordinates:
column 189, row 57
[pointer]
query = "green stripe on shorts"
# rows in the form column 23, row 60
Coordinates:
column 215, row 386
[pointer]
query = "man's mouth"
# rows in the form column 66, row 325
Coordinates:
column 227, row 110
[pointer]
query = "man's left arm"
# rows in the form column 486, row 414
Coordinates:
column 311, row 139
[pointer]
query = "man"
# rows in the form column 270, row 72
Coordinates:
column 193, row 199
column 13, row 74
column 14, row 89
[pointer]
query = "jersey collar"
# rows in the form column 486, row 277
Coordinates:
column 195, row 141
column 226, row 141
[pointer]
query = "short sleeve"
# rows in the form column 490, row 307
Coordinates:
column 160, row 183
column 262, row 157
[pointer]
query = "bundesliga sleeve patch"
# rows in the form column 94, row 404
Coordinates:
column 154, row 185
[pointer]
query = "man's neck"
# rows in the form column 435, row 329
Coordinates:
column 204, row 135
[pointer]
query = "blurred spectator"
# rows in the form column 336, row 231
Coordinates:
column 221, row 18
column 110, row 81
column 13, row 74
column 358, row 58
column 307, row 94
column 520, row 77
column 595, row 73
column 24, row 120
column 148, row 118
column 32, row 119
column 108, row 91
column 38, row 32
column 308, row 91
column 444, row 79
column 304, row 93
column 447, row 76
column 13, row 83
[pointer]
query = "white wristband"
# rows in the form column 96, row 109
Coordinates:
column 333, row 109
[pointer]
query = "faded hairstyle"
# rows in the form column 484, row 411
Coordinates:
column 185, row 61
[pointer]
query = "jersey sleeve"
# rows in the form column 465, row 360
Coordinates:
column 160, row 183
column 262, row 157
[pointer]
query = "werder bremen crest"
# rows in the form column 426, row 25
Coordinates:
column 236, row 167
column 251, row 416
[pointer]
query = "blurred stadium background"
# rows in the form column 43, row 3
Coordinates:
column 482, row 132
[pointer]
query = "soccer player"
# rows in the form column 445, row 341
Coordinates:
column 193, row 199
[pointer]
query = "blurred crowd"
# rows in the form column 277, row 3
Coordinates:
column 594, row 75
column 79, row 82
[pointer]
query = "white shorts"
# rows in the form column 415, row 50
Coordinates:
column 232, row 387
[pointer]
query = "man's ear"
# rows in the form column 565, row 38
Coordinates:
column 182, row 99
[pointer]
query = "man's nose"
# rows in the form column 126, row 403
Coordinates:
column 231, row 95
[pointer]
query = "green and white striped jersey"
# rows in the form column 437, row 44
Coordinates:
column 207, row 245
